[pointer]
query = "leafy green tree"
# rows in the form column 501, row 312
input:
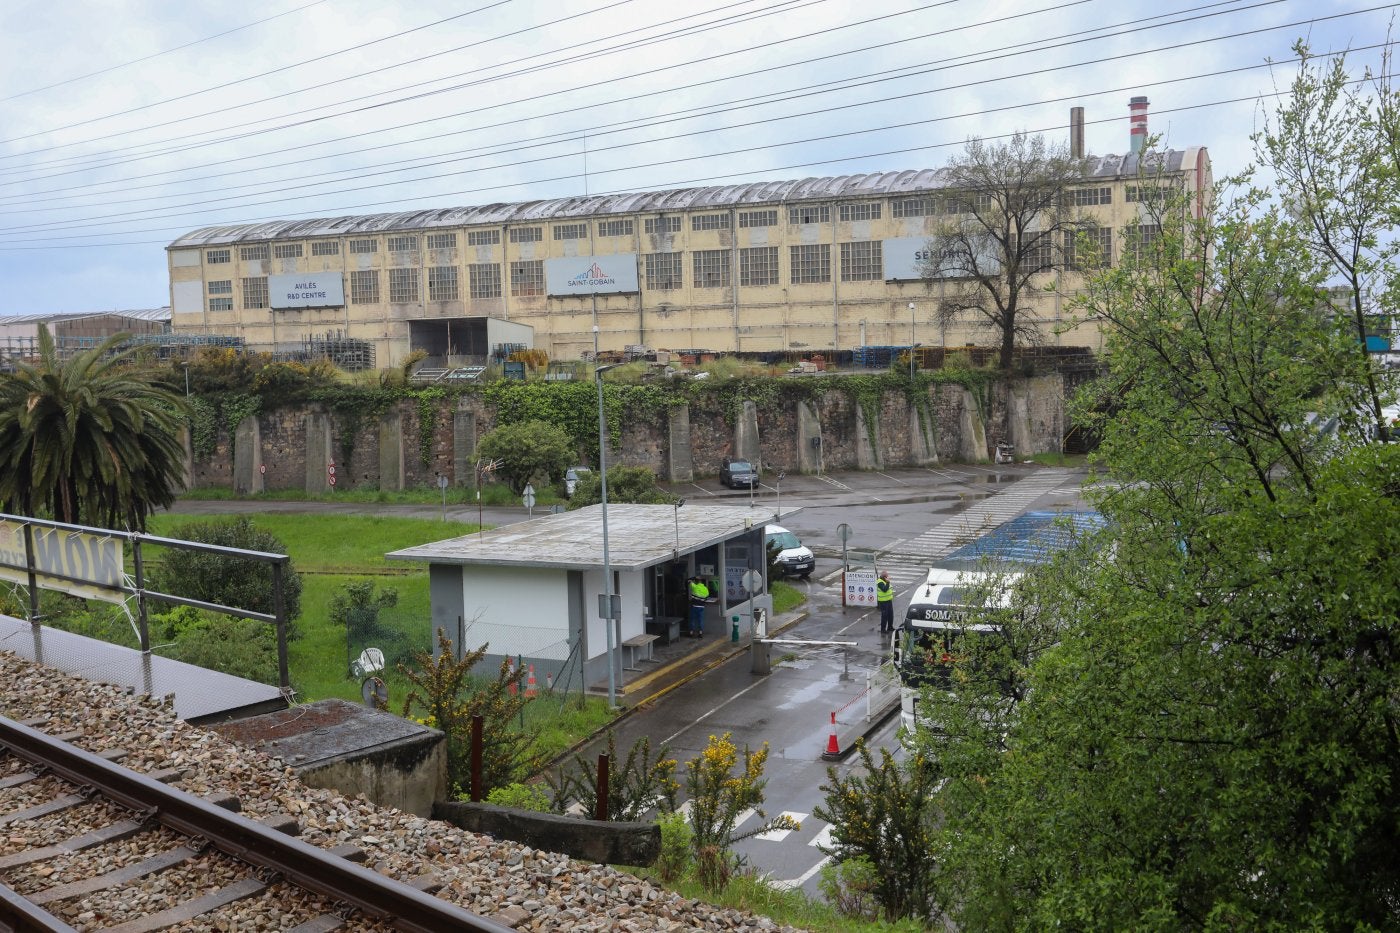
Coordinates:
column 1334, row 147
column 93, row 439
column 1012, row 222
column 1210, row 741
column 527, row 450
column 625, row 484
column 884, row 815
column 226, row 579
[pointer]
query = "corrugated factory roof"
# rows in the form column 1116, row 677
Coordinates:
column 910, row 181
column 138, row 314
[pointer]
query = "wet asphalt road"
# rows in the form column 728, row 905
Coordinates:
column 790, row 708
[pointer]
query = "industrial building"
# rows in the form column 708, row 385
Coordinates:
column 819, row 266
column 76, row 331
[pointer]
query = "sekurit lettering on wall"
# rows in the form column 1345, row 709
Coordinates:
column 66, row 561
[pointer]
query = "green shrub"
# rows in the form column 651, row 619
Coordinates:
column 226, row 579
column 675, row 858
column 849, row 887
column 243, row 648
column 520, row 797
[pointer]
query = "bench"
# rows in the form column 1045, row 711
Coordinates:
column 637, row 642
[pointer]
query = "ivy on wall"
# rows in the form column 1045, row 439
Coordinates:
column 428, row 400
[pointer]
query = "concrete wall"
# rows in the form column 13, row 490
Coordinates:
column 410, row 775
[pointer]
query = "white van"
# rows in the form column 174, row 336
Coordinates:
column 793, row 559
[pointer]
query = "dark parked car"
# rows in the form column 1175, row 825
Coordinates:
column 738, row 474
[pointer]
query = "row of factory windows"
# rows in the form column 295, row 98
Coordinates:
column 802, row 214
column 758, row 266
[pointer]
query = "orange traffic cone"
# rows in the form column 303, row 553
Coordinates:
column 510, row 673
column 531, row 688
column 833, row 747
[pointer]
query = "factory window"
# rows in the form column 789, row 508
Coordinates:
column 481, row 238
column 253, row 253
column 911, row 207
column 758, row 266
column 449, row 240
column 1141, row 240
column 709, row 222
column 402, row 244
column 364, row 287
column 968, row 204
column 711, row 268
column 862, row 262
column 663, row 271
column 662, row 225
column 758, row 218
column 1087, row 197
column 615, row 227
column 325, row 248
column 403, row 285
column 221, row 287
column 220, row 304
column 286, row 251
column 485, row 278
column 1146, row 194
column 810, row 214
column 1038, row 253
column 810, row 263
column 571, row 231
column 1095, row 253
column 526, row 234
column 869, row 210
column 364, row 246
column 527, row 278
column 215, row 257
column 255, row 292
column 442, row 283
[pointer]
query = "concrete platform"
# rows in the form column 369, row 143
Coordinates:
column 201, row 696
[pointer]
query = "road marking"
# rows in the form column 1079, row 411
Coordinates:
column 803, row 879
column 743, row 817
column 827, row 479
column 822, row 838
column 704, row 490
column 895, row 478
column 778, row 835
column 706, row 715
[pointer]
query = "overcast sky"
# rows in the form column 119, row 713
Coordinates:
column 125, row 123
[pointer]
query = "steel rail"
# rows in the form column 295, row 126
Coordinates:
column 298, row 862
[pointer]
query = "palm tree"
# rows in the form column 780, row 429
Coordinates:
column 93, row 440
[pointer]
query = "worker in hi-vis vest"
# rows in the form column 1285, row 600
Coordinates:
column 884, row 597
column 699, row 593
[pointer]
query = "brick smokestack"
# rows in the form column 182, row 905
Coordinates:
column 1137, row 124
column 1076, row 132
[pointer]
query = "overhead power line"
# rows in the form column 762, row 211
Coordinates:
column 748, row 173
column 145, row 58
column 80, row 223
column 263, row 74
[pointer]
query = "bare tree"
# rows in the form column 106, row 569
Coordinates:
column 1009, row 214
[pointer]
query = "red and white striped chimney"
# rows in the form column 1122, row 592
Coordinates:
column 1137, row 124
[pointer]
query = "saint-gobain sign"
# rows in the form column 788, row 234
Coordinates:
column 591, row 275
column 910, row 258
column 89, row 557
column 307, row 290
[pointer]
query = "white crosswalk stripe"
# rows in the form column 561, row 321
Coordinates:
column 822, row 838
column 908, row 561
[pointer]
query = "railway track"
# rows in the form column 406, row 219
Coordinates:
column 87, row 844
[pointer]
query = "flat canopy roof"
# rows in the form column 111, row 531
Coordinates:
column 638, row 537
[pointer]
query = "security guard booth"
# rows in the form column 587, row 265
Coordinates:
column 530, row 591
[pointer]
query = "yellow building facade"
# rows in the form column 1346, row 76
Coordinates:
column 821, row 265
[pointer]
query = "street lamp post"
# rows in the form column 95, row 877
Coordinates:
column 778, row 484
column 187, row 378
column 609, row 612
column 911, row 341
column 675, row 552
